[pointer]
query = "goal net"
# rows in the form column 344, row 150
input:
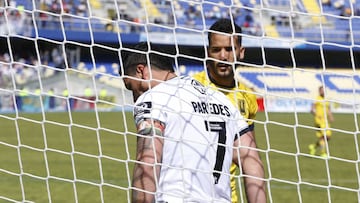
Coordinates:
column 67, row 132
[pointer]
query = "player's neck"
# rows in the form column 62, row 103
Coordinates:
column 169, row 76
column 225, row 83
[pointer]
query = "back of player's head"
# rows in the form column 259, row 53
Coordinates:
column 146, row 54
column 227, row 26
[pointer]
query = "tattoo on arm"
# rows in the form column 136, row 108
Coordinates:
column 150, row 127
column 149, row 155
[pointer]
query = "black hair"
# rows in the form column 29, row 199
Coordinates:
column 138, row 55
column 225, row 25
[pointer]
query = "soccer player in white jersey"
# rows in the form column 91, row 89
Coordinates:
column 188, row 135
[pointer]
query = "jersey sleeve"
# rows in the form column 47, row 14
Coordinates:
column 242, row 126
column 146, row 107
column 252, row 104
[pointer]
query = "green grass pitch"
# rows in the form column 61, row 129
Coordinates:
column 87, row 157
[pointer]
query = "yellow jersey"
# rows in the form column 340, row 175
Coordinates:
column 239, row 95
column 321, row 107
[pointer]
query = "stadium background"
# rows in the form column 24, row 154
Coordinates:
column 86, row 155
column 45, row 43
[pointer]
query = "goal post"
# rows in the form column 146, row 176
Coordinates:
column 67, row 130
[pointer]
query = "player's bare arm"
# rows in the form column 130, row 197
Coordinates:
column 330, row 115
column 148, row 155
column 252, row 167
column 312, row 111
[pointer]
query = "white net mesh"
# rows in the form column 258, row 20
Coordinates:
column 67, row 130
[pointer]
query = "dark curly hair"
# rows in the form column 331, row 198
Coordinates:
column 225, row 25
column 138, row 55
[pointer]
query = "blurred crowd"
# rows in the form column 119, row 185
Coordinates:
column 343, row 7
column 19, row 70
column 16, row 17
column 128, row 14
column 49, row 10
column 50, row 13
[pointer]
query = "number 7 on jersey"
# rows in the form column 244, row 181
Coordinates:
column 219, row 127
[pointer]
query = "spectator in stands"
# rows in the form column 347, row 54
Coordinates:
column 192, row 13
column 24, row 92
column 68, row 6
column 103, row 94
column 22, row 71
column 65, row 93
column 43, row 18
column 170, row 19
column 37, row 91
column 88, row 92
column 135, row 27
column 179, row 12
column 220, row 75
column 82, row 9
column 45, row 57
column 346, row 12
column 249, row 20
column 69, row 101
column 5, row 70
column 326, row 3
column 217, row 12
column 255, row 30
column 339, row 4
column 58, row 58
column 55, row 7
column 51, row 98
column 158, row 21
column 15, row 18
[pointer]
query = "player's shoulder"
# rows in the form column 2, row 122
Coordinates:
column 246, row 91
column 158, row 92
column 184, row 84
column 200, row 76
column 319, row 98
column 243, row 87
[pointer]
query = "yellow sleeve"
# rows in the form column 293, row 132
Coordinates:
column 251, row 101
column 253, row 106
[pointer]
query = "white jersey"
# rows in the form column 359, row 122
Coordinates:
column 200, row 128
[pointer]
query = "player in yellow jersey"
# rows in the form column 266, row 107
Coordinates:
column 322, row 116
column 225, row 47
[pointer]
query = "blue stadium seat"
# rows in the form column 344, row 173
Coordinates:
column 284, row 31
column 226, row 2
column 26, row 3
column 97, row 25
